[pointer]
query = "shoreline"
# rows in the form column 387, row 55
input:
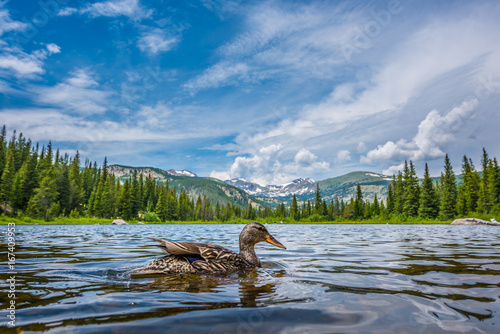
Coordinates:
column 108, row 222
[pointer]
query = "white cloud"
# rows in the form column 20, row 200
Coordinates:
column 114, row 8
column 21, row 64
column 393, row 170
column 79, row 93
column 155, row 41
column 154, row 117
column 434, row 132
column 221, row 7
column 53, row 48
column 67, row 11
column 7, row 24
column 433, row 63
column 343, row 156
column 219, row 75
column 281, row 39
column 269, row 166
column 220, row 175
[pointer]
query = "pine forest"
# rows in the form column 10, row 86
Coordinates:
column 43, row 184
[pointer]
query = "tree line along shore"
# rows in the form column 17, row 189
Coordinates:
column 39, row 185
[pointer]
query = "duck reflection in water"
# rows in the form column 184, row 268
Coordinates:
column 251, row 289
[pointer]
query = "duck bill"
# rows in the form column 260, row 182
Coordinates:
column 274, row 242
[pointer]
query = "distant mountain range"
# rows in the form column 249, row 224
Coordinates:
column 212, row 188
column 343, row 187
column 241, row 192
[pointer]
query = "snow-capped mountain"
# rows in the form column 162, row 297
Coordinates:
column 297, row 187
column 181, row 173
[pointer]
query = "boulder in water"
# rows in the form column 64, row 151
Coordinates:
column 474, row 221
column 119, row 222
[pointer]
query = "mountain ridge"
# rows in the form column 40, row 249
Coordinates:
column 242, row 192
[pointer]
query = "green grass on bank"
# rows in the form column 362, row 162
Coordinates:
column 93, row 221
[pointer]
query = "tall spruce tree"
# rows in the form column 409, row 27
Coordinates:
column 448, row 201
column 294, row 209
column 375, row 206
column 7, row 181
column 43, row 202
column 411, row 194
column 135, row 200
column 495, row 185
column 124, row 206
column 484, row 202
column 161, row 208
column 317, row 200
column 468, row 192
column 429, row 203
column 494, row 179
column 399, row 194
column 358, row 207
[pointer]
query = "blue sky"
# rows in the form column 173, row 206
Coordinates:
column 263, row 90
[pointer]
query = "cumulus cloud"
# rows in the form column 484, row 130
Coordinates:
column 434, row 132
column 155, row 41
column 343, row 156
column 398, row 76
column 269, row 166
column 393, row 169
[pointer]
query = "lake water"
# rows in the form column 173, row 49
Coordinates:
column 332, row 278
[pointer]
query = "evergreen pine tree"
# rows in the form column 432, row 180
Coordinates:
column 63, row 188
column 447, row 209
column 336, row 209
column 376, row 206
column 484, row 202
column 317, row 200
column 358, row 207
column 7, row 181
column 411, row 194
column 390, row 196
column 429, row 205
column 135, row 200
column 250, row 212
column 494, row 179
column 124, row 206
column 43, row 202
column 16, row 197
column 294, row 209
column 495, row 185
column 76, row 193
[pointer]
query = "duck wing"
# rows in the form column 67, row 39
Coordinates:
column 195, row 249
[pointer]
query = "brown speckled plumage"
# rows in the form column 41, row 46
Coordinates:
column 193, row 257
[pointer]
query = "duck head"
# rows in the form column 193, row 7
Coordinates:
column 254, row 233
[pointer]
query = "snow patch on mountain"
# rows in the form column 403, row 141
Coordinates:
column 297, row 187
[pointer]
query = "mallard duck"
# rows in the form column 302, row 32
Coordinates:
column 194, row 257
